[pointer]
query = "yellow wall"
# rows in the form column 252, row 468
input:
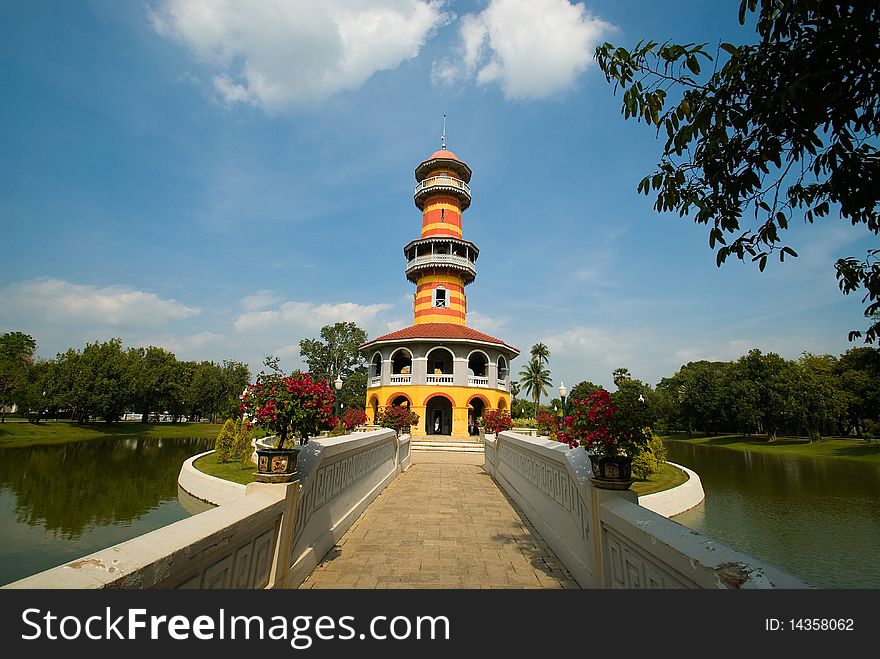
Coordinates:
column 419, row 394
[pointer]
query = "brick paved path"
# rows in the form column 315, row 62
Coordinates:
column 443, row 523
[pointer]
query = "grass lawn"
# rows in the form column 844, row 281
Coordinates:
column 237, row 472
column 666, row 478
column 844, row 449
column 20, row 433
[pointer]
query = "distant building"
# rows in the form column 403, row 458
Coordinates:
column 448, row 373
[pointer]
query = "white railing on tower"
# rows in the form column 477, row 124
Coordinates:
column 477, row 381
column 401, row 379
column 439, row 379
column 442, row 181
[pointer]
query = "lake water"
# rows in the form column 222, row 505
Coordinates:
column 816, row 518
column 59, row 502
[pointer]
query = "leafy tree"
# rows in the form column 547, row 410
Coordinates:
column 354, row 391
column 152, row 378
column 520, row 409
column 95, row 381
column 535, row 379
column 514, row 392
column 581, row 390
column 335, row 353
column 786, row 126
column 38, row 396
column 16, row 359
column 858, row 372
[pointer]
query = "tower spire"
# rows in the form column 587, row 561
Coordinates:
column 443, row 136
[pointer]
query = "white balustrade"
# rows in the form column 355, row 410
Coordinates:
column 477, row 381
column 502, row 384
column 439, row 379
column 401, row 379
column 376, row 381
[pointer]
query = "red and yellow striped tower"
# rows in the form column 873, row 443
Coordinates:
column 441, row 263
column 448, row 373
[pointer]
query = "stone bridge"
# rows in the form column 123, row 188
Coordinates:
column 367, row 512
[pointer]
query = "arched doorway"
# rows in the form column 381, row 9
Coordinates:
column 475, row 410
column 374, row 408
column 502, row 405
column 438, row 416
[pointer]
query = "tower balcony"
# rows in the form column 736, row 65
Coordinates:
column 418, row 265
column 442, row 184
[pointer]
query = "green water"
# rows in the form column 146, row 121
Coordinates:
column 816, row 518
column 60, row 502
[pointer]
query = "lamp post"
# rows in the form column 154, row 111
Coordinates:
column 338, row 384
column 563, row 392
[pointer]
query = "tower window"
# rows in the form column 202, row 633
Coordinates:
column 440, row 297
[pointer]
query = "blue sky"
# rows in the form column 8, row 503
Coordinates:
column 223, row 179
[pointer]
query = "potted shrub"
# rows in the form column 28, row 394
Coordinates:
column 352, row 418
column 613, row 429
column 397, row 417
column 495, row 421
column 293, row 407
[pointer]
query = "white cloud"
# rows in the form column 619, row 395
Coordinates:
column 491, row 325
column 62, row 302
column 259, row 300
column 531, row 49
column 278, row 53
column 305, row 315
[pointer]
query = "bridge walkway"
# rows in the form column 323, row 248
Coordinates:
column 443, row 523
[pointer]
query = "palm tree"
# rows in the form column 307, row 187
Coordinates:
column 540, row 352
column 535, row 379
column 514, row 390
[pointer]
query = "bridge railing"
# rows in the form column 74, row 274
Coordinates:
column 603, row 537
column 270, row 537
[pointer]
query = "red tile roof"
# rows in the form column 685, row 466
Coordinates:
column 440, row 331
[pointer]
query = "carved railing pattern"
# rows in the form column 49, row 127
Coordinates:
column 550, row 478
column 248, row 566
column 334, row 477
column 630, row 567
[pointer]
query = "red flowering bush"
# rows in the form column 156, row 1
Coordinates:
column 607, row 424
column 495, row 421
column 294, row 405
column 396, row 417
column 547, row 424
column 352, row 418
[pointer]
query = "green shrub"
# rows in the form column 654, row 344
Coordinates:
column 648, row 461
column 243, row 437
column 337, row 431
column 644, row 464
column 225, row 444
column 524, row 422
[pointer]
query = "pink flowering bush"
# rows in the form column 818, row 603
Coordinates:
column 397, row 417
column 290, row 406
column 352, row 418
column 495, row 421
column 607, row 424
column 547, row 424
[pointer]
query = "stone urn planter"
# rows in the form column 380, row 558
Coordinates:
column 276, row 465
column 611, row 472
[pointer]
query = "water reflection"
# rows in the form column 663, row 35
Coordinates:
column 61, row 501
column 819, row 519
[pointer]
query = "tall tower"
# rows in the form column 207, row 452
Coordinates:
column 448, row 373
column 441, row 263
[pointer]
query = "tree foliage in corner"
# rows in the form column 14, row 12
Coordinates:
column 787, row 127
